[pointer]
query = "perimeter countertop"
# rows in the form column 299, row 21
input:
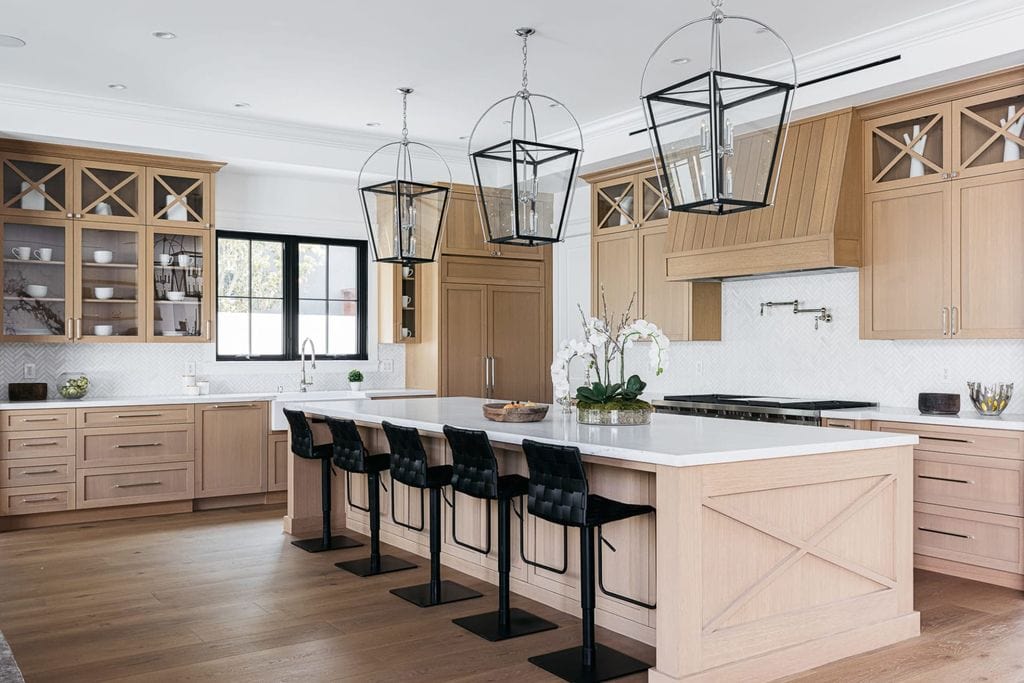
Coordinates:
column 674, row 440
column 968, row 417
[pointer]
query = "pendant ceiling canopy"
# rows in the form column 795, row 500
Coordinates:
column 404, row 216
column 525, row 153
column 717, row 95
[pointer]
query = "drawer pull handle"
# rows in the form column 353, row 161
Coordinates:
column 53, row 471
column 234, row 405
column 39, row 500
column 955, row 481
column 41, row 443
column 40, row 419
column 945, row 438
column 945, row 533
column 141, row 483
column 137, row 445
column 122, row 417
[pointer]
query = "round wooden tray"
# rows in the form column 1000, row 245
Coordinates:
column 499, row 413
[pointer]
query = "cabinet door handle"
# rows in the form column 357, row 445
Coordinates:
column 137, row 445
column 39, row 419
column 234, row 405
column 487, row 377
column 494, row 375
column 53, row 471
column 70, row 327
column 954, row 481
column 38, row 500
column 945, row 438
column 954, row 321
column 44, row 443
column 209, row 329
column 141, row 483
column 134, row 415
column 944, row 533
column 78, row 328
column 945, row 321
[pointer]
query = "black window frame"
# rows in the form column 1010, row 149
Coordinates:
column 290, row 285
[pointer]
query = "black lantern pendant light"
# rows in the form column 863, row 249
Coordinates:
column 718, row 133
column 525, row 166
column 404, row 217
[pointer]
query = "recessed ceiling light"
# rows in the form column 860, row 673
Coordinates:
column 681, row 60
column 242, row 105
column 117, row 86
column 11, row 41
column 164, row 35
column 373, row 124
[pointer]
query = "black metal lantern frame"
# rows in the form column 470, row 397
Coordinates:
column 524, row 186
column 712, row 170
column 404, row 217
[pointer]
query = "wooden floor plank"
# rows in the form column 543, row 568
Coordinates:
column 221, row 595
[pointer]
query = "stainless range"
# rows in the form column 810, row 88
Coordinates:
column 759, row 408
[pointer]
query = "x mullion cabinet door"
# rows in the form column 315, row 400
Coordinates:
column 908, row 149
column 182, row 199
column 109, row 193
column 36, row 186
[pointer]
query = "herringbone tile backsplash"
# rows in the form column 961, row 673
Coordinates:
column 154, row 369
column 782, row 354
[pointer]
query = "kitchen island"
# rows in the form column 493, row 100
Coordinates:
column 775, row 548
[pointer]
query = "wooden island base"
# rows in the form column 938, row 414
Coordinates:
column 760, row 568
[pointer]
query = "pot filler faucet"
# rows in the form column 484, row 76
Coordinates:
column 307, row 382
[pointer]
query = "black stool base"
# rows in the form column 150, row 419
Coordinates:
column 608, row 664
column 450, row 592
column 316, row 545
column 521, row 623
column 363, row 567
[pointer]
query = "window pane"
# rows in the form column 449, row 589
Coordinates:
column 344, row 273
column 232, row 267
column 342, row 328
column 313, row 323
column 268, row 269
column 232, row 327
column 267, row 327
column 312, row 271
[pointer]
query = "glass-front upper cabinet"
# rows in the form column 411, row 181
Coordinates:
column 614, row 205
column 36, row 272
column 108, row 282
column 180, row 277
column 989, row 135
column 109, row 193
column 33, row 185
column 907, row 149
column 653, row 207
column 179, row 198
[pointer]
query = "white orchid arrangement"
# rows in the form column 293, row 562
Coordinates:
column 601, row 346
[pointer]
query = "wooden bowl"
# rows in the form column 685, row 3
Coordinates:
column 499, row 413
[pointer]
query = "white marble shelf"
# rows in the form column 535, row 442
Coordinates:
column 674, row 440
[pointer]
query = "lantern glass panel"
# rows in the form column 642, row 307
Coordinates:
column 405, row 219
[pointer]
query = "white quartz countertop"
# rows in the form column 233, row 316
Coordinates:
column 101, row 402
column 968, row 417
column 674, row 440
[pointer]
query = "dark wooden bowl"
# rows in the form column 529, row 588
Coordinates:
column 499, row 413
column 938, row 404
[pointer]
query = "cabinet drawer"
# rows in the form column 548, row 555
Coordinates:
column 135, row 415
column 106, row 486
column 995, row 443
column 979, row 538
column 37, row 471
column 37, row 444
column 969, row 481
column 110, row 446
column 29, row 420
column 27, row 500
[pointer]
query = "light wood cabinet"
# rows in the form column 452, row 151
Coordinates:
column 518, row 335
column 464, row 343
column 277, row 461
column 37, row 185
column 464, row 234
column 109, row 192
column 134, row 484
column 908, row 149
column 629, row 238
column 110, row 298
column 179, row 279
column 30, row 314
column 984, row 128
column 179, row 198
column 399, row 302
column 231, row 449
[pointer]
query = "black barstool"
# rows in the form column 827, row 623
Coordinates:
column 409, row 466
column 303, row 447
column 350, row 455
column 475, row 473
column 559, row 493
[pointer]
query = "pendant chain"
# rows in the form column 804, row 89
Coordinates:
column 405, row 124
column 526, row 80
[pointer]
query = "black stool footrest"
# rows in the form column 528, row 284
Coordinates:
column 450, row 592
column 608, row 664
column 316, row 545
column 364, row 567
column 520, row 623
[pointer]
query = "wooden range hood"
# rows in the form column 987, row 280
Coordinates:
column 815, row 222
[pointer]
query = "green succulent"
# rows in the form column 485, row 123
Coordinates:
column 355, row 376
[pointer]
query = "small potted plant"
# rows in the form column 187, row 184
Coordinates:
column 355, row 380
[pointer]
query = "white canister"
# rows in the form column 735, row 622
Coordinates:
column 178, row 210
column 34, row 200
column 204, row 387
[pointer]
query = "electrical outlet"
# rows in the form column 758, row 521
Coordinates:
column 386, row 365
column 190, row 368
column 699, row 368
column 945, row 374
column 30, row 371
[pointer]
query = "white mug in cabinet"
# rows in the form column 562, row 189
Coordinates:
column 22, row 253
column 407, row 271
column 166, row 259
column 178, row 210
column 184, row 260
column 34, row 200
column 406, row 301
column 44, row 254
column 406, row 333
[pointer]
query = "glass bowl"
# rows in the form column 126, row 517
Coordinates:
column 990, row 400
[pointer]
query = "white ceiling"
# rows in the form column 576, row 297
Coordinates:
column 336, row 64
